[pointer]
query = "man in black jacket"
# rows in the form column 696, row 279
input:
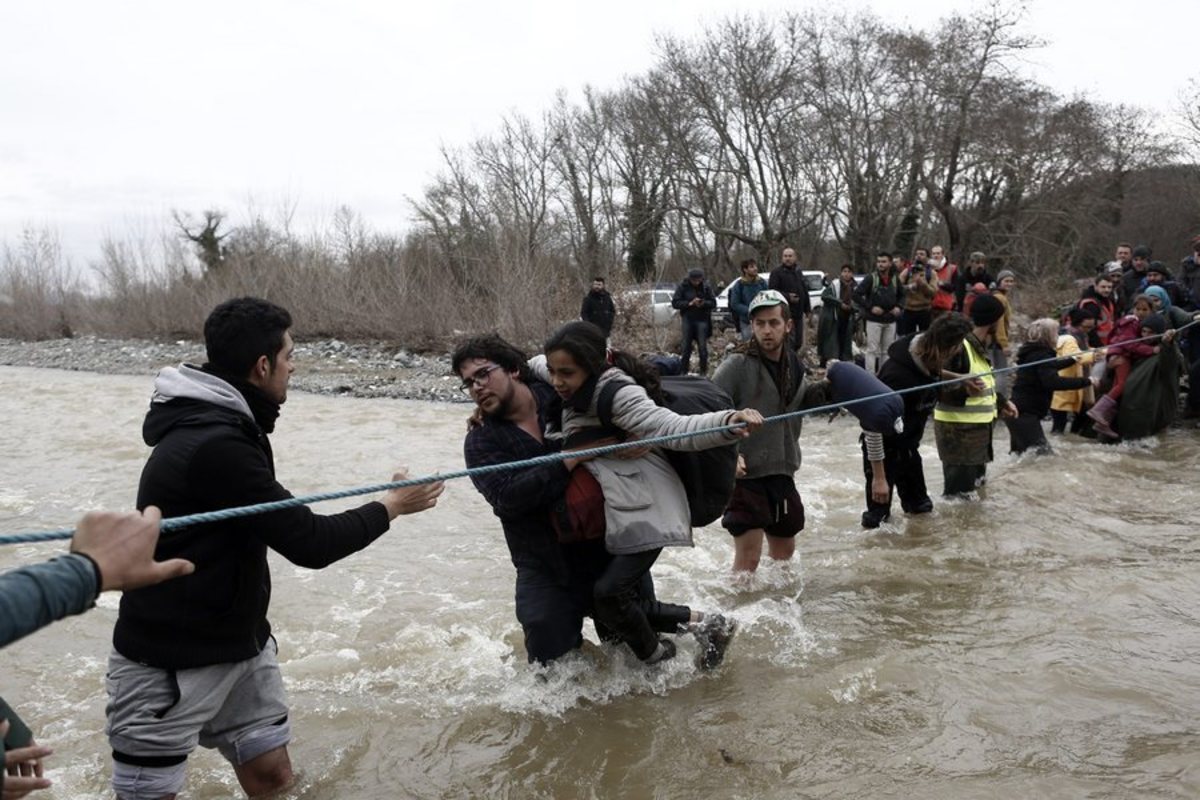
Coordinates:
column 598, row 307
column 788, row 280
column 554, row 581
column 880, row 298
column 208, row 426
column 695, row 301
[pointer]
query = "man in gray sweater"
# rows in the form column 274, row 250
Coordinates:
column 767, row 376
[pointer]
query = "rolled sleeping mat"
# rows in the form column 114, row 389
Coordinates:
column 849, row 381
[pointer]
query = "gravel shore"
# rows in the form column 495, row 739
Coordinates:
column 332, row 367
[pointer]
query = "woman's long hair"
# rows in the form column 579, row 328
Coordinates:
column 946, row 333
column 587, row 345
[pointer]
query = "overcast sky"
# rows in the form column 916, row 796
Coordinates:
column 114, row 113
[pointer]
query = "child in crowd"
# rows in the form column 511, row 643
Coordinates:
column 977, row 290
column 1073, row 339
column 1123, row 353
column 1034, row 385
column 646, row 505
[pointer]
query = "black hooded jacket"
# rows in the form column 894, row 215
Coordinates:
column 210, row 453
column 902, row 371
column 1033, row 387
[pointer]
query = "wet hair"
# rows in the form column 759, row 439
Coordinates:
column 944, row 335
column 490, row 347
column 587, row 345
column 1043, row 331
column 240, row 331
column 747, row 262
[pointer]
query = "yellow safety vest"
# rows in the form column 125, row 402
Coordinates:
column 977, row 409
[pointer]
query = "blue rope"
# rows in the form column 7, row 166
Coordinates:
column 550, row 458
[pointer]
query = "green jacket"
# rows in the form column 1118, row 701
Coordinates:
column 774, row 449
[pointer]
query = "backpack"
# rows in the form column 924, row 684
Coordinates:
column 707, row 475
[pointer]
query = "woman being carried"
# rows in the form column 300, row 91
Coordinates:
column 646, row 506
column 1123, row 353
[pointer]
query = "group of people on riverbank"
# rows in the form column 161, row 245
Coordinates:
column 193, row 659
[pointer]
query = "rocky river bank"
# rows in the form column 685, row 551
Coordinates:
column 331, row 367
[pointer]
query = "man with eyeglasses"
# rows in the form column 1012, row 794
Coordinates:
column 554, row 581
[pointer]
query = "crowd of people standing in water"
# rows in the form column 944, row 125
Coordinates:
column 194, row 662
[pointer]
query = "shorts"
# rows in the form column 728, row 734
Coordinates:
column 157, row 717
column 770, row 503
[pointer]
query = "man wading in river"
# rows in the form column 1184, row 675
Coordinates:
column 554, row 581
column 194, row 661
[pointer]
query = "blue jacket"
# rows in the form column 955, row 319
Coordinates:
column 740, row 296
column 34, row 596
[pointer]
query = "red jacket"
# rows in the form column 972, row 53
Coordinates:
column 1106, row 312
column 946, row 278
column 1126, row 329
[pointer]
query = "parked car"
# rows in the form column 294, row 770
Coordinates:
column 650, row 303
column 814, row 279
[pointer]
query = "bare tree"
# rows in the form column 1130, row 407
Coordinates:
column 951, row 69
column 210, row 247
column 735, row 124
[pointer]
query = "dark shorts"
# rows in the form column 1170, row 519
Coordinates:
column 770, row 503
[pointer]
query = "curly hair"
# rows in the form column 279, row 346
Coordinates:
column 490, row 347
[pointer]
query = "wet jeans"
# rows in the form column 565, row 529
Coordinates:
column 631, row 614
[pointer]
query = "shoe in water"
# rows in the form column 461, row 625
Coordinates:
column 664, row 652
column 869, row 520
column 714, row 633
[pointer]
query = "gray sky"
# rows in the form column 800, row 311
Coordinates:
column 115, row 113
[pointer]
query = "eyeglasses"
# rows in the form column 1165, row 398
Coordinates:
column 479, row 379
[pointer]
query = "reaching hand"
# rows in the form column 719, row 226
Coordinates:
column 122, row 545
column 974, row 385
column 23, row 765
column 411, row 499
column 750, row 416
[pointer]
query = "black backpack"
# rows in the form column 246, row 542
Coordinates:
column 708, row 475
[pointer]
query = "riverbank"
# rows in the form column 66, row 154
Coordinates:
column 329, row 367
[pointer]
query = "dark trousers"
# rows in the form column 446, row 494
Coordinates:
column 1193, row 395
column 551, row 613
column 697, row 330
column 797, row 334
column 913, row 321
column 1025, row 432
column 962, row 478
column 905, row 474
column 631, row 614
column 845, row 337
column 1081, row 424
